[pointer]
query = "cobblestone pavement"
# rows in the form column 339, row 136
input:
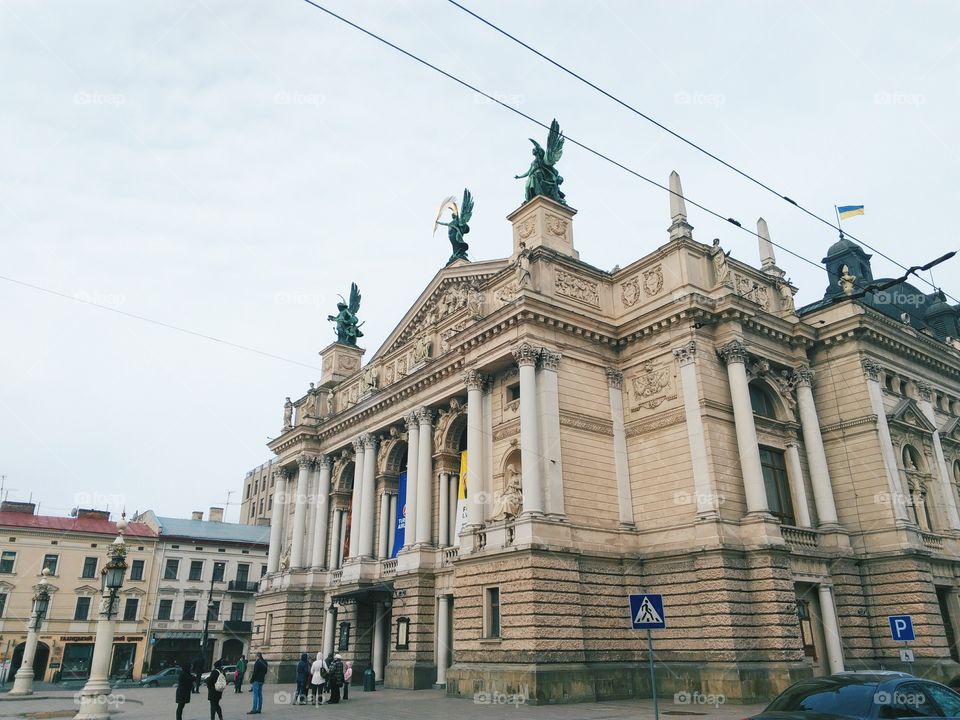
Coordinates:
column 157, row 703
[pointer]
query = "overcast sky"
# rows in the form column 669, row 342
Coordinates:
column 230, row 167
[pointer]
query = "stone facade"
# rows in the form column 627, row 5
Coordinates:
column 787, row 479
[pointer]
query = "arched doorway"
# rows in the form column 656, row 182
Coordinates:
column 39, row 660
column 232, row 650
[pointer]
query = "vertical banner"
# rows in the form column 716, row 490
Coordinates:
column 347, row 527
column 400, row 530
column 461, row 499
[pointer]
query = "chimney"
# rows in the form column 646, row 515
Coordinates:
column 196, row 515
column 20, row 507
column 216, row 514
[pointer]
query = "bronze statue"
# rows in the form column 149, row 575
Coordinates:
column 542, row 177
column 457, row 227
column 348, row 329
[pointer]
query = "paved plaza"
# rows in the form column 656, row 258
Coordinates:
column 156, row 703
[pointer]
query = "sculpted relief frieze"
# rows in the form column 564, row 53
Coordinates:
column 577, row 288
column 653, row 385
column 748, row 288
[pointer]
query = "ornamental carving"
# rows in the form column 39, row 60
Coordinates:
column 526, row 227
column 550, row 360
column 556, row 226
column 614, row 378
column 653, row 386
column 653, row 280
column 733, row 352
column 474, row 379
column 588, row 424
column 444, row 419
column 630, row 292
column 348, row 362
column 447, row 335
column 871, row 369
column 657, row 423
column 388, row 374
column 686, row 353
column 753, row 291
column 507, row 430
column 576, row 288
column 526, row 354
column 506, row 294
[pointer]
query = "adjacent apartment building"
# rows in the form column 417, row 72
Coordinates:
column 257, row 504
column 74, row 550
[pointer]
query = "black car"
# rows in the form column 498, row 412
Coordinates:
column 877, row 695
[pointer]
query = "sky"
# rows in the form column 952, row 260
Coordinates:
column 230, row 167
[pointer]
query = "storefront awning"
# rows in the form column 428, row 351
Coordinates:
column 380, row 592
column 177, row 635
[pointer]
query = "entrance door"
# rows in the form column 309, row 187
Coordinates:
column 76, row 661
column 40, row 659
column 121, row 667
column 810, row 629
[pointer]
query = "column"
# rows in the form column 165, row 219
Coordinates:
column 343, row 537
column 813, row 443
column 334, row 562
column 425, row 477
column 526, row 356
column 311, row 517
column 734, row 354
column 413, row 479
column 368, row 502
column 443, row 635
column 706, row 498
column 322, row 515
column 946, row 489
column 356, row 498
column 474, row 381
column 329, row 629
column 871, row 371
column 92, row 705
column 831, row 629
column 383, row 551
column 276, row 520
column 444, row 523
column 392, row 524
column 300, row 512
column 798, row 490
column 454, row 491
column 486, row 483
column 620, row 462
column 379, row 619
column 23, row 682
column 548, row 391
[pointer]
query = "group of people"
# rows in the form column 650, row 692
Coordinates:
column 216, row 683
column 323, row 676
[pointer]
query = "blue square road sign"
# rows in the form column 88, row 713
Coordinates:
column 901, row 628
column 646, row 611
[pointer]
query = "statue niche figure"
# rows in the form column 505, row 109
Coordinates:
column 542, row 176
column 509, row 503
column 457, row 227
column 348, row 329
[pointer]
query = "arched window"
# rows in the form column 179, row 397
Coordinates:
column 762, row 402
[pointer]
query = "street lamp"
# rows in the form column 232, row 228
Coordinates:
column 94, row 697
column 23, row 684
column 206, row 626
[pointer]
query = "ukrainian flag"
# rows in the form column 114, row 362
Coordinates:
column 848, row 211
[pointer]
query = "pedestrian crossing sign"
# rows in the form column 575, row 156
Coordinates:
column 646, row 611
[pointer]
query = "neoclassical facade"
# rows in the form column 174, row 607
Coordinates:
column 786, row 478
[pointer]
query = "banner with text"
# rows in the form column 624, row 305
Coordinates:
column 400, row 529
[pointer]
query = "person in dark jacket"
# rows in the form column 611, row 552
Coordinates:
column 197, row 672
column 257, row 677
column 214, row 695
column 238, row 676
column 335, row 679
column 303, row 673
column 184, row 688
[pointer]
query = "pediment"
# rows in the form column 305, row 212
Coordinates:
column 86, row 590
column 134, row 592
column 951, row 430
column 6, row 587
column 453, row 295
column 907, row 415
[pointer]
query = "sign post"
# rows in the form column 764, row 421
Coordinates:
column 646, row 613
column 901, row 630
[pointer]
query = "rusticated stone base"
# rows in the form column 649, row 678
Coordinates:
column 406, row 675
column 573, row 682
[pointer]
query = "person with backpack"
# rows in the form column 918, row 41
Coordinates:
column 303, row 679
column 257, row 677
column 184, row 688
column 347, row 677
column 318, row 678
column 238, row 678
column 335, row 679
column 216, row 684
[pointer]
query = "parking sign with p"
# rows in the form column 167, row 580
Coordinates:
column 901, row 628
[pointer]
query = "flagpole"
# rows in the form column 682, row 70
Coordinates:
column 839, row 224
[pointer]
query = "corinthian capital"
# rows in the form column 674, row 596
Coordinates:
column 871, row 369
column 369, row 441
column 474, row 379
column 324, row 461
column 526, row 354
column 685, row 353
column 550, row 359
column 733, row 352
column 358, row 444
column 281, row 474
column 425, row 416
column 614, row 378
column 305, row 461
column 802, row 375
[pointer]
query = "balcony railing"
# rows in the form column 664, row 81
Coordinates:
column 450, row 554
column 336, row 576
column 244, row 586
column 388, row 567
column 239, row 627
column 799, row 537
column 931, row 541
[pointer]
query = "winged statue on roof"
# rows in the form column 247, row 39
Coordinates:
column 542, row 176
column 348, row 327
column 457, row 227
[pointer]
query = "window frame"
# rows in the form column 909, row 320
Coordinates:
column 195, row 573
column 787, row 513
column 166, row 568
column 126, row 610
column 76, row 608
column 191, row 606
column 219, row 570
column 489, row 605
column 165, row 604
column 12, row 561
column 139, row 564
column 86, row 562
column 56, row 563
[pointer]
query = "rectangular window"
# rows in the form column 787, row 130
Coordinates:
column 190, row 610
column 136, row 570
column 943, row 598
column 513, row 392
column 196, row 570
column 3, row 603
column 165, row 609
column 243, row 572
column 82, row 611
column 213, row 611
column 270, row 503
column 130, row 609
column 343, row 640
column 236, row 611
column 268, row 629
column 89, row 567
column 171, row 569
column 50, row 563
column 491, row 614
column 219, row 568
column 8, row 559
column 777, row 486
column 806, row 629
column 263, row 570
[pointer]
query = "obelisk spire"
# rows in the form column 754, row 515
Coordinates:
column 768, row 261
column 679, row 228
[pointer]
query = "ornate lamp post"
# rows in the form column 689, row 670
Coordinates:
column 23, row 684
column 94, row 696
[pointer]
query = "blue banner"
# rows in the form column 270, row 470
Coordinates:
column 400, row 530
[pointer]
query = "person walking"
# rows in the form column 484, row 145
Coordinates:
column 347, row 677
column 184, row 688
column 216, row 684
column 197, row 672
column 238, row 678
column 303, row 679
column 257, row 677
column 335, row 679
column 318, row 678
